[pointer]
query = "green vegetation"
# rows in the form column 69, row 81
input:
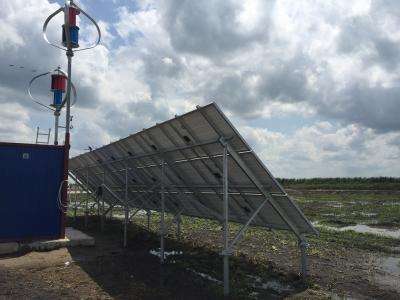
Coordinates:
column 371, row 201
column 208, row 233
column 273, row 254
column 268, row 254
column 379, row 209
column 343, row 183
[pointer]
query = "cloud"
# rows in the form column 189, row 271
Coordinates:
column 215, row 28
column 313, row 150
column 334, row 66
column 13, row 123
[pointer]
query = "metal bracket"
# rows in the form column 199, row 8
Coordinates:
column 226, row 252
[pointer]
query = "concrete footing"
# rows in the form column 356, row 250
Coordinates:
column 73, row 237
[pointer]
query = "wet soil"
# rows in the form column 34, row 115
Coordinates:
column 108, row 271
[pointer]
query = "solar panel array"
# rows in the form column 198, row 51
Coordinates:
column 191, row 149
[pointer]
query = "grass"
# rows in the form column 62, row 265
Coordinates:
column 343, row 183
column 341, row 209
column 208, row 233
column 334, row 209
column 344, row 186
column 374, row 208
column 261, row 247
column 257, row 253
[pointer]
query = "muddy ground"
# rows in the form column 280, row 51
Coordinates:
column 342, row 265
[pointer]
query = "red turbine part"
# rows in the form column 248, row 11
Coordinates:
column 73, row 12
column 58, row 82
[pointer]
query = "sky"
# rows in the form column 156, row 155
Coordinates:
column 313, row 85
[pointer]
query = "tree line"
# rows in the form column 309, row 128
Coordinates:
column 339, row 180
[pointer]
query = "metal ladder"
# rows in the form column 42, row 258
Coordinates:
column 39, row 134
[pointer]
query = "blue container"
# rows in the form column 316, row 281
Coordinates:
column 30, row 178
column 58, row 98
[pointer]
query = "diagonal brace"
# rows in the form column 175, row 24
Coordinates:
column 245, row 226
column 258, row 184
column 136, row 211
column 113, row 194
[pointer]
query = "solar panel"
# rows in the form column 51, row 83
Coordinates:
column 197, row 165
column 191, row 148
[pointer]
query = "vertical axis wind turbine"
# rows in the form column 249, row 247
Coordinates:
column 58, row 79
column 70, row 44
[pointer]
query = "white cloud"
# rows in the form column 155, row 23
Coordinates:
column 326, row 150
column 13, row 126
column 10, row 37
column 336, row 63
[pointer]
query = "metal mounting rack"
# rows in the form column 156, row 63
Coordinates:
column 196, row 165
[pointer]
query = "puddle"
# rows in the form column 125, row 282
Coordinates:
column 254, row 295
column 359, row 202
column 364, row 214
column 391, row 272
column 118, row 216
column 205, row 276
column 122, row 216
column 336, row 205
column 274, row 285
column 391, row 265
column 333, row 215
column 341, row 297
column 360, row 228
column 305, row 201
column 166, row 253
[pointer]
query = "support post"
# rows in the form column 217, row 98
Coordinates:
column 162, row 225
column 76, row 201
column 37, row 135
column 178, row 227
column 87, row 199
column 98, row 206
column 102, row 204
column 48, row 136
column 148, row 213
column 98, row 197
column 56, row 126
column 67, row 144
column 126, row 208
column 303, row 258
column 70, row 54
column 102, row 213
column 225, row 210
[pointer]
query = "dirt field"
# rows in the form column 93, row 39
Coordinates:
column 343, row 265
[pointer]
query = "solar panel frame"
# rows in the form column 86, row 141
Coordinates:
column 191, row 148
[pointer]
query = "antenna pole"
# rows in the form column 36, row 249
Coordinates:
column 56, row 117
column 70, row 54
